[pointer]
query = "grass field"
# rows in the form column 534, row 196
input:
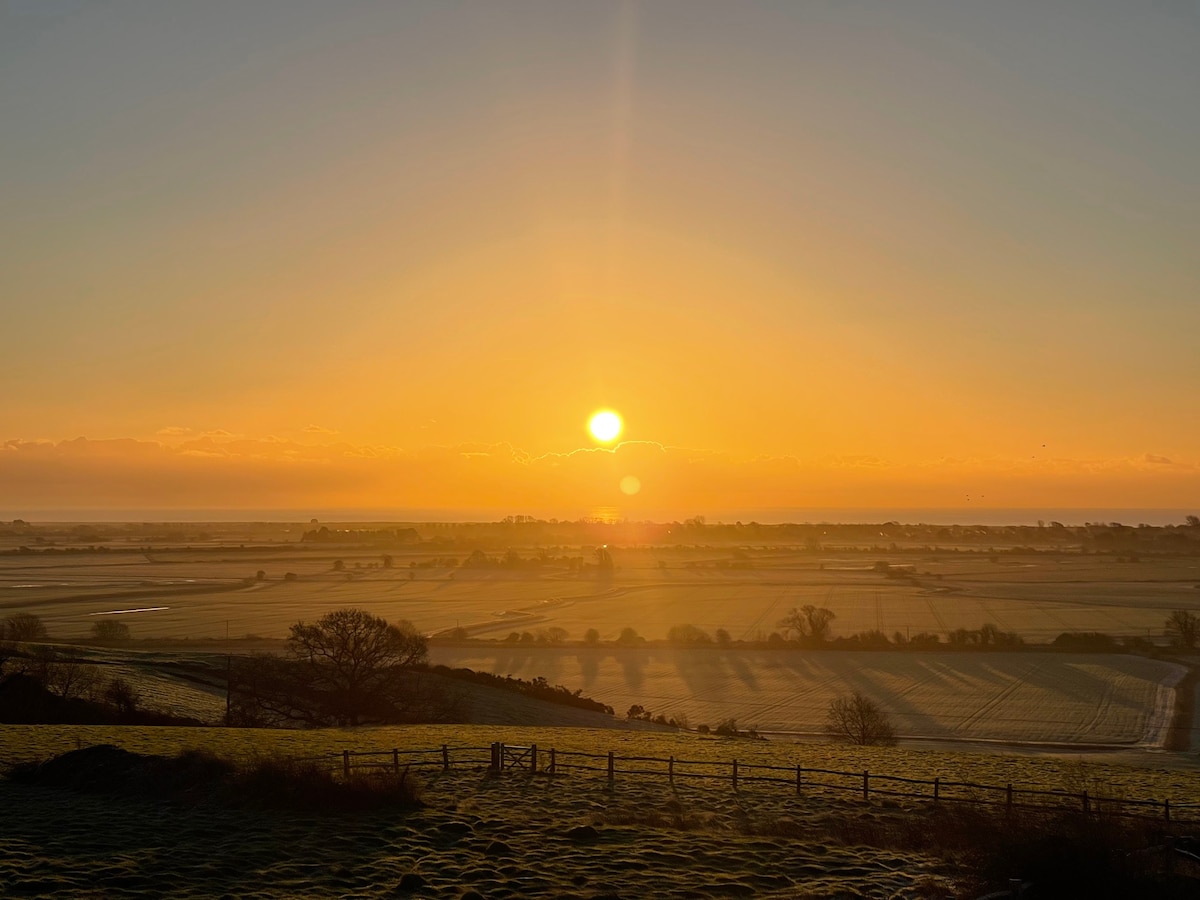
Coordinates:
column 1014, row 697
column 185, row 594
column 508, row 837
column 20, row 743
column 213, row 592
column 515, row 835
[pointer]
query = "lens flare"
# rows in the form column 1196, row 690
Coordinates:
column 630, row 485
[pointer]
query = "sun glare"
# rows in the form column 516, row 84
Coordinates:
column 605, row 426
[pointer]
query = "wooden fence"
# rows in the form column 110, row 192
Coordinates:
column 799, row 779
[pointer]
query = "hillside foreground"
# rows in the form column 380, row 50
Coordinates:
column 516, row 834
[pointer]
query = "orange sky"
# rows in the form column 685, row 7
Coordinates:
column 393, row 257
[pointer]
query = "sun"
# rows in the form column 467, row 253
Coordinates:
column 605, row 426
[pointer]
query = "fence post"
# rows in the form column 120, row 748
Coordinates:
column 798, row 780
column 396, row 761
column 533, row 759
column 936, row 785
column 866, row 785
column 611, row 769
column 1086, row 805
column 735, row 774
column 445, row 758
column 671, row 769
column 1008, row 799
column 346, row 763
column 495, row 756
column 553, row 770
column 1167, row 810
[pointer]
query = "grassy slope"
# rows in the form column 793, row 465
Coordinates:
column 506, row 836
column 25, row 742
column 511, row 835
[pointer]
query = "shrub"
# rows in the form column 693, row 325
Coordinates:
column 110, row 631
column 1086, row 641
column 276, row 782
column 263, row 782
column 122, row 695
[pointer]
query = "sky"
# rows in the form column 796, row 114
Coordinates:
column 394, row 255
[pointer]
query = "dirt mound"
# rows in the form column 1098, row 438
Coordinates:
column 195, row 778
column 108, row 769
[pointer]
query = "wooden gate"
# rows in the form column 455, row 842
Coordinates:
column 511, row 756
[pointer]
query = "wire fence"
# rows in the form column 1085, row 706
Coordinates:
column 799, row 780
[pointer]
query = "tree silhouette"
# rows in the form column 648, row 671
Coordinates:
column 809, row 623
column 24, row 627
column 1183, row 628
column 688, row 635
column 858, row 720
column 347, row 668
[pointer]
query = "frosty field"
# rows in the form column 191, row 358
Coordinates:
column 208, row 594
column 1044, row 698
column 189, row 595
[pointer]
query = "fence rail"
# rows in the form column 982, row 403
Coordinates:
column 799, row 779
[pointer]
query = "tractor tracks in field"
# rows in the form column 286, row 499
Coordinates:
column 937, row 616
column 1004, row 694
column 747, row 634
column 1101, row 710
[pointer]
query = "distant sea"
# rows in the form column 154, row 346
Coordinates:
column 928, row 516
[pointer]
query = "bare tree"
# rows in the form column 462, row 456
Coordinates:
column 809, row 623
column 688, row 635
column 858, row 720
column 1183, row 628
column 62, row 675
column 347, row 668
column 24, row 628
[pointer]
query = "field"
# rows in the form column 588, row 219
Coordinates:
column 513, row 835
column 1166, row 776
column 1045, row 698
column 187, row 594
column 238, row 588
